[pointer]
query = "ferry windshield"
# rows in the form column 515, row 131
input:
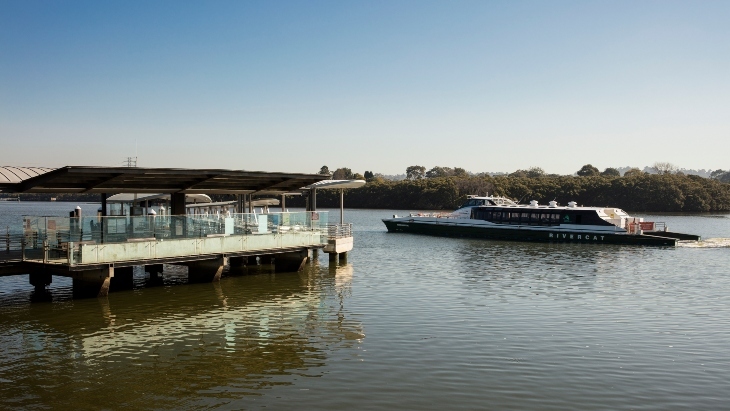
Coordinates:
column 473, row 202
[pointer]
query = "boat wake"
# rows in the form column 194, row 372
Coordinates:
column 708, row 243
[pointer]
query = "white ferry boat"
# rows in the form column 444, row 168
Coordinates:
column 500, row 218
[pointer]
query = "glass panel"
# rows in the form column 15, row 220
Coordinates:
column 58, row 231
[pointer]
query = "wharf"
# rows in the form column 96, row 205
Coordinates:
column 99, row 252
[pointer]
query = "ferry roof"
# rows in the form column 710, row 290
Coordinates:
column 547, row 207
column 83, row 179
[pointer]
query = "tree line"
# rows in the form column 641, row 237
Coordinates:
column 638, row 192
column 445, row 188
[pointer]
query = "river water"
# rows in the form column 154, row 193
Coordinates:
column 409, row 322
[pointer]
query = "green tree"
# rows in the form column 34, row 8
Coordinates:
column 342, row 174
column 633, row 172
column 717, row 173
column 639, row 193
column 439, row 172
column 664, row 168
column 611, row 172
column 324, row 170
column 721, row 175
column 532, row 172
column 369, row 175
column 588, row 170
column 535, row 172
column 415, row 172
column 460, row 172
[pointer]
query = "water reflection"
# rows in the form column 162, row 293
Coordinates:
column 524, row 269
column 180, row 347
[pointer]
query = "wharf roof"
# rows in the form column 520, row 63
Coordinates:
column 82, row 179
column 132, row 197
column 12, row 175
column 336, row 184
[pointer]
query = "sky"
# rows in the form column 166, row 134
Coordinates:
column 488, row 86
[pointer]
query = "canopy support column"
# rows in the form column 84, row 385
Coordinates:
column 102, row 223
column 103, row 204
column 177, row 204
column 239, row 203
column 342, row 206
column 312, row 199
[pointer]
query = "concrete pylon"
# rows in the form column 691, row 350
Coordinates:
column 123, row 279
column 40, row 280
column 92, row 283
column 290, row 262
column 238, row 261
column 205, row 271
column 238, row 265
column 155, row 271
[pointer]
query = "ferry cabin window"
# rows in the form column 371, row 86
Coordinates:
column 523, row 218
column 472, row 203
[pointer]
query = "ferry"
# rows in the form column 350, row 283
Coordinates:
column 500, row 218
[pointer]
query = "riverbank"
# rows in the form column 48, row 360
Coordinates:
column 642, row 193
column 637, row 193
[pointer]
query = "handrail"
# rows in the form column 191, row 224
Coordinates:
column 114, row 229
column 12, row 246
column 341, row 230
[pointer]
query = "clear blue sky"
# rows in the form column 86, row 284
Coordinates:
column 369, row 85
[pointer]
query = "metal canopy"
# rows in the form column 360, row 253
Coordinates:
column 11, row 175
column 336, row 184
column 131, row 198
column 78, row 179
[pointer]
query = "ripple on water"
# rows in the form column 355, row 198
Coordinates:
column 707, row 243
column 411, row 322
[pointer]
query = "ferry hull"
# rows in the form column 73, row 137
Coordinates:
column 522, row 234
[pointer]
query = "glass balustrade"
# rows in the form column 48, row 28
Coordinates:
column 52, row 237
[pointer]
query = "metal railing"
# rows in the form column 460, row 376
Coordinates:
column 339, row 230
column 60, row 237
column 12, row 246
